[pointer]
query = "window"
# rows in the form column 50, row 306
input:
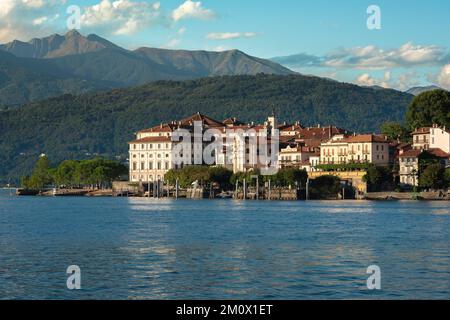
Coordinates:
column 150, row 165
column 159, row 165
column 134, row 166
column 142, row 165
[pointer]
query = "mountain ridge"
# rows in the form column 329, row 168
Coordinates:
column 88, row 63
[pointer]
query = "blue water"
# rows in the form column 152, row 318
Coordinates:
column 185, row 249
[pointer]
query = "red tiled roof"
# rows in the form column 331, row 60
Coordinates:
column 424, row 130
column 413, row 153
column 438, row 153
column 232, row 121
column 152, row 139
column 323, row 134
column 361, row 138
column 202, row 118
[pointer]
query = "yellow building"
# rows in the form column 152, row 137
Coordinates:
column 367, row 148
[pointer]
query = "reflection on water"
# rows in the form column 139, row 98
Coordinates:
column 165, row 249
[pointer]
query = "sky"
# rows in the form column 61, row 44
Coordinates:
column 399, row 45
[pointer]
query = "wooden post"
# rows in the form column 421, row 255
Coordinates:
column 257, row 187
column 307, row 189
column 245, row 189
column 237, row 190
column 269, row 189
column 176, row 188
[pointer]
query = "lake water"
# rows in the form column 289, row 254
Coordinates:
column 186, row 249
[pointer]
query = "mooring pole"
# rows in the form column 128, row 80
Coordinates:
column 176, row 188
column 269, row 189
column 245, row 188
column 307, row 189
column 257, row 187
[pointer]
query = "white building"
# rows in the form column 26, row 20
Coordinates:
column 368, row 148
column 440, row 138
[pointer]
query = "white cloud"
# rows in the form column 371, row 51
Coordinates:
column 40, row 20
column 120, row 17
column 172, row 44
column 367, row 80
column 24, row 19
column 373, row 58
column 402, row 81
column 221, row 48
column 443, row 78
column 181, row 31
column 192, row 10
column 230, row 35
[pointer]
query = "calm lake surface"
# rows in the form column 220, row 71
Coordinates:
column 186, row 249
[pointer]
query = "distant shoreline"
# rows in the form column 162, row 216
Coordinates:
column 375, row 196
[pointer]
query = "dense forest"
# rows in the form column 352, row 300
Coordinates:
column 79, row 127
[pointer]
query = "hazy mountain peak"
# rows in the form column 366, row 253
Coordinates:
column 418, row 90
column 73, row 33
column 57, row 45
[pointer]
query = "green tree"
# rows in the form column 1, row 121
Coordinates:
column 291, row 176
column 187, row 175
column 378, row 175
column 67, row 173
column 221, row 176
column 447, row 177
column 325, row 187
column 428, row 108
column 395, row 130
column 433, row 177
column 41, row 176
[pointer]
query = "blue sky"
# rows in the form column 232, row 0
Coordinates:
column 330, row 38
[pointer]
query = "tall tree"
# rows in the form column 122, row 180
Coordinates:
column 41, row 176
column 432, row 177
column 395, row 130
column 428, row 108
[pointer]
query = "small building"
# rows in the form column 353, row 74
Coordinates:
column 410, row 164
column 409, row 167
column 366, row 148
column 440, row 138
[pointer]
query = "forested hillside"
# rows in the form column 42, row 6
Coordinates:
column 75, row 127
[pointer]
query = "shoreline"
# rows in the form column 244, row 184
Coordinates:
column 373, row 196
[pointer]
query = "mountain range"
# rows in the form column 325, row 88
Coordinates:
column 75, row 64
